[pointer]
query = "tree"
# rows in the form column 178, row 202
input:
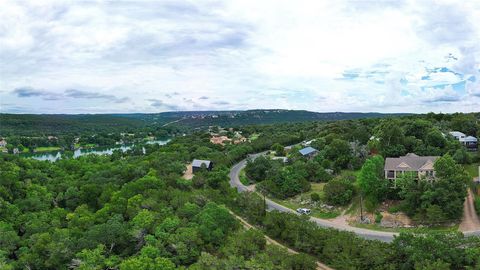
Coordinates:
column 146, row 263
column 279, row 149
column 436, row 139
column 340, row 152
column 437, row 201
column 391, row 138
column 214, row 223
column 257, row 169
column 316, row 173
column 371, row 181
column 338, row 191
column 9, row 240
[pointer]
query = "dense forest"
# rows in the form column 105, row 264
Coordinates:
column 135, row 211
column 27, row 132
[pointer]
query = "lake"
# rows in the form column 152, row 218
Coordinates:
column 54, row 156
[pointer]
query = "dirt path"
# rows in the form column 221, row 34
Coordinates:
column 270, row 241
column 188, row 174
column 172, row 122
column 470, row 220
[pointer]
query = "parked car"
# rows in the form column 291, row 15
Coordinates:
column 304, row 211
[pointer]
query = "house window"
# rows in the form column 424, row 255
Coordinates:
column 390, row 174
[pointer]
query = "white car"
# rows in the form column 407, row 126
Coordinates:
column 304, row 211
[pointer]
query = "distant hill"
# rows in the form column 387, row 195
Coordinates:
column 31, row 124
column 252, row 117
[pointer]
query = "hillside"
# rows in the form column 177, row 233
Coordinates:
column 254, row 117
column 30, row 124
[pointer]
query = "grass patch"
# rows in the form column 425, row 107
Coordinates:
column 89, row 145
column 318, row 213
column 254, row 136
column 47, row 148
column 472, row 169
column 243, row 178
column 354, row 206
column 347, row 173
column 477, row 204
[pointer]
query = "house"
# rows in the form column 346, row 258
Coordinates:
column 219, row 140
column 421, row 166
column 308, row 152
column 308, row 143
column 470, row 142
column 3, row 143
column 198, row 163
column 457, row 135
column 283, row 159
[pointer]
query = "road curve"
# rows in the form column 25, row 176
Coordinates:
column 365, row 233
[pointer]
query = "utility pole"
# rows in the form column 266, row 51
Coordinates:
column 361, row 207
column 264, row 204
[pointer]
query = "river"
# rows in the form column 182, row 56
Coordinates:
column 56, row 155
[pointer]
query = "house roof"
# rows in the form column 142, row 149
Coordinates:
column 457, row 134
column 410, row 162
column 307, row 151
column 469, row 139
column 198, row 163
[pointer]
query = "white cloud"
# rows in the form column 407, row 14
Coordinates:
column 316, row 55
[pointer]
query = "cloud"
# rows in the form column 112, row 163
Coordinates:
column 221, row 102
column 74, row 93
column 148, row 56
column 159, row 104
column 25, row 92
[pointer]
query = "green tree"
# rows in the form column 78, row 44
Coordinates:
column 371, row 181
column 338, row 191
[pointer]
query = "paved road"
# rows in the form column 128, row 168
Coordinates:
column 365, row 233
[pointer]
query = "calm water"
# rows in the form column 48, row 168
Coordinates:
column 54, row 156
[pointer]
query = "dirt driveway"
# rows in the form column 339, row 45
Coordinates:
column 188, row 174
column 470, row 220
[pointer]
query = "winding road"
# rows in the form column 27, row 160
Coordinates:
column 471, row 230
column 365, row 233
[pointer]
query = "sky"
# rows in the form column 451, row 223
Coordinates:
column 156, row 56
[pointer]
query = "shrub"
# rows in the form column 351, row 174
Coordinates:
column 477, row 204
column 315, row 197
column 394, row 209
column 378, row 217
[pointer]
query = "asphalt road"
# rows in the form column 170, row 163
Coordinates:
column 365, row 233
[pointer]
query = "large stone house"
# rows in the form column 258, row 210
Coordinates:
column 422, row 167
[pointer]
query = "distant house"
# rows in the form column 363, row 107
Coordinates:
column 422, row 167
column 308, row 143
column 283, row 159
column 457, row 135
column 3, row 143
column 470, row 142
column 219, row 140
column 308, row 152
column 197, row 165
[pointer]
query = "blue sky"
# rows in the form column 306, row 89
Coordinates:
column 154, row 56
